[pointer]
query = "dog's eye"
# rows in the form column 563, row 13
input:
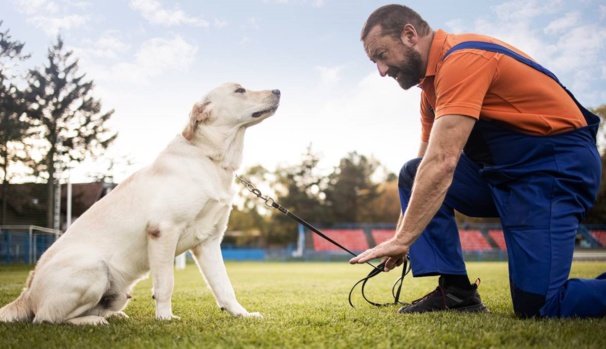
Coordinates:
column 240, row 90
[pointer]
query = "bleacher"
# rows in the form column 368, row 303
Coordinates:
column 381, row 235
column 497, row 236
column 599, row 235
column 473, row 240
column 352, row 239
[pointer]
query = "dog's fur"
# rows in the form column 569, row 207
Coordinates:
column 181, row 202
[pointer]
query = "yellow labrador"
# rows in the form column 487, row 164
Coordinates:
column 181, row 202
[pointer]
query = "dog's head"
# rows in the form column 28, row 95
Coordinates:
column 232, row 106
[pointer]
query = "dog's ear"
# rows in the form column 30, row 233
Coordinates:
column 200, row 112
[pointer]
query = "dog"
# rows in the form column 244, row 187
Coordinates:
column 181, row 202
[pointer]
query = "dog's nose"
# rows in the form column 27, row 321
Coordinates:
column 276, row 92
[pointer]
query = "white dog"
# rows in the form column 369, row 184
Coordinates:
column 181, row 202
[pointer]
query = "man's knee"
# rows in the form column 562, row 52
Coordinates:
column 408, row 173
column 526, row 304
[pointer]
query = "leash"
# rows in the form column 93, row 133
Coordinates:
column 397, row 286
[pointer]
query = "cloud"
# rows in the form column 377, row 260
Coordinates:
column 329, row 76
column 53, row 25
column 153, row 58
column 562, row 24
column 153, row 11
column 51, row 17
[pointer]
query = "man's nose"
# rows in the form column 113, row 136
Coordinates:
column 383, row 68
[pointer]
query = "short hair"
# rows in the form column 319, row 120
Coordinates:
column 392, row 19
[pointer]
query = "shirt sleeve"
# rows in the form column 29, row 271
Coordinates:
column 463, row 81
column 427, row 118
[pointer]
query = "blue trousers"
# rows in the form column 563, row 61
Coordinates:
column 541, row 188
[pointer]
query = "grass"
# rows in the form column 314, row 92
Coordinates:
column 305, row 306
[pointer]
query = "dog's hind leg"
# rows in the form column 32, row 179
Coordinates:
column 161, row 248
column 210, row 261
column 71, row 297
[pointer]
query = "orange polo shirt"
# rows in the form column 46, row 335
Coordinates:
column 493, row 86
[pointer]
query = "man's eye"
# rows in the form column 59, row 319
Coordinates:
column 240, row 90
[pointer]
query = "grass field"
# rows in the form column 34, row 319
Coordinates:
column 305, row 306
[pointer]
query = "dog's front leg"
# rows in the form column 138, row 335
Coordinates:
column 210, row 262
column 161, row 253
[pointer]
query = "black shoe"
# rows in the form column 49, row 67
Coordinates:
column 448, row 298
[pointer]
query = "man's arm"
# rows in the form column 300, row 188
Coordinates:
column 422, row 149
column 434, row 176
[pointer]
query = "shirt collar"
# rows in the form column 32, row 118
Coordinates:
column 435, row 52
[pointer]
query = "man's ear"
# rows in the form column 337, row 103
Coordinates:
column 409, row 35
column 200, row 112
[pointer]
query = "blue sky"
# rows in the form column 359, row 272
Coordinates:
column 152, row 59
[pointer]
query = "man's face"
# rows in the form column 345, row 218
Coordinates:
column 394, row 58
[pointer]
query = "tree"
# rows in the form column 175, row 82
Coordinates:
column 70, row 124
column 351, row 190
column 597, row 214
column 13, row 125
column 299, row 189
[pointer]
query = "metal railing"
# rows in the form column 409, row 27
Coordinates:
column 35, row 243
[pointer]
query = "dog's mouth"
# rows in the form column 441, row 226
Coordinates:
column 266, row 111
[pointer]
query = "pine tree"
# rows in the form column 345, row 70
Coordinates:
column 13, row 125
column 70, row 124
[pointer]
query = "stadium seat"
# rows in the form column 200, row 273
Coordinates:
column 498, row 237
column 352, row 239
column 380, row 235
column 599, row 235
column 473, row 240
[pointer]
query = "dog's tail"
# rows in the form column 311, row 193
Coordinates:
column 19, row 309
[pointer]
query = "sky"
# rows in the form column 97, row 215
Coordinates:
column 151, row 60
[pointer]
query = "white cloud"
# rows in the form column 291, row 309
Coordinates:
column 329, row 76
column 218, row 23
column 153, row 11
column 50, row 17
column 562, row 24
column 107, row 47
column 32, row 7
column 154, row 57
column 53, row 25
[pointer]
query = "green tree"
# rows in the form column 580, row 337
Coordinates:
column 69, row 120
column 299, row 189
column 351, row 191
column 249, row 217
column 13, row 125
column 597, row 215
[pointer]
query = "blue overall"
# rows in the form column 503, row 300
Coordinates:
column 541, row 187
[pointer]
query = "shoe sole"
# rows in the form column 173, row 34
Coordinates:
column 477, row 308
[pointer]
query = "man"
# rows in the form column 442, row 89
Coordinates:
column 500, row 138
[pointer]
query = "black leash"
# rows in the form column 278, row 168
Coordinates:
column 397, row 286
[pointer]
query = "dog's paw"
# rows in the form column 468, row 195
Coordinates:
column 252, row 315
column 120, row 314
column 167, row 317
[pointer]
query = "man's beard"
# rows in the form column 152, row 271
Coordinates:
column 408, row 74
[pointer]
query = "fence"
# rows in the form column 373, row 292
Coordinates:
column 25, row 243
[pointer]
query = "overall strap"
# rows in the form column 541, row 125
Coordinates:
column 489, row 46
column 591, row 118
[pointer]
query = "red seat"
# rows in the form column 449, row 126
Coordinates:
column 351, row 239
column 473, row 240
column 600, row 235
column 380, row 235
column 498, row 237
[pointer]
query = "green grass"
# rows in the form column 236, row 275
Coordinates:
column 305, row 305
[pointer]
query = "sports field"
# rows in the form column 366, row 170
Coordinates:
column 305, row 306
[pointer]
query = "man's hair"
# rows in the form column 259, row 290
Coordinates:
column 392, row 19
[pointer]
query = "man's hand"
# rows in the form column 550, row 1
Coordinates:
column 391, row 251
